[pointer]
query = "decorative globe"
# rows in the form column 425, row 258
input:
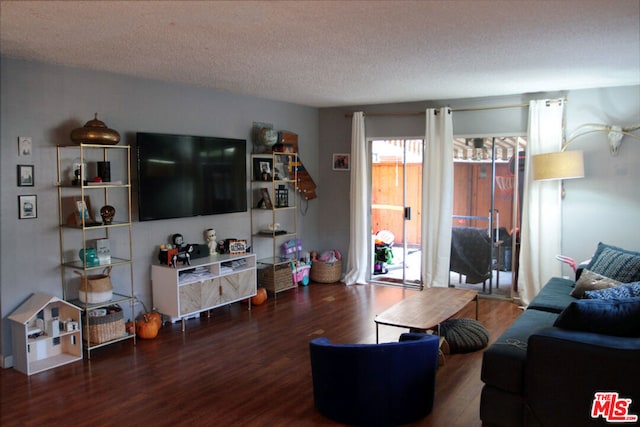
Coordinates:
column 264, row 139
column 267, row 137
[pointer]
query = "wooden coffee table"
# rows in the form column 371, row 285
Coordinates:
column 427, row 309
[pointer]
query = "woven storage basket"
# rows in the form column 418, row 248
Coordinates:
column 105, row 328
column 275, row 279
column 95, row 288
column 326, row 272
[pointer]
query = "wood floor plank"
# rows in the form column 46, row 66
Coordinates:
column 237, row 367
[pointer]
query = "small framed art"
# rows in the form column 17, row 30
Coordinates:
column 25, row 175
column 74, row 209
column 341, row 162
column 262, row 169
column 25, row 146
column 27, row 207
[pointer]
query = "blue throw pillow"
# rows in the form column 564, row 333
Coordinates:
column 617, row 263
column 628, row 290
column 619, row 317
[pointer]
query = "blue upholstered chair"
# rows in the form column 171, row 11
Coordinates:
column 375, row 384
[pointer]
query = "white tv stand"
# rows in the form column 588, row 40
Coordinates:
column 188, row 290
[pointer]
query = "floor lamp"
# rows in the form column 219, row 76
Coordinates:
column 570, row 164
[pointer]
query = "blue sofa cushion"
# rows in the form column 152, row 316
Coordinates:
column 628, row 290
column 554, row 296
column 617, row 317
column 617, row 263
column 504, row 361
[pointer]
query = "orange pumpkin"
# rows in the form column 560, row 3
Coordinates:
column 146, row 329
column 156, row 317
column 260, row 297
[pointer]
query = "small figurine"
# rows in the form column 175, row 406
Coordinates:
column 184, row 250
column 210, row 237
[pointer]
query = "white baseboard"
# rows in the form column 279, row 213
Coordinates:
column 6, row 362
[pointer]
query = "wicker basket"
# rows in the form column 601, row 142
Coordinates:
column 105, row 328
column 276, row 279
column 326, row 272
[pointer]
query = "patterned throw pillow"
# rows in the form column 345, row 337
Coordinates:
column 617, row 263
column 627, row 290
column 590, row 281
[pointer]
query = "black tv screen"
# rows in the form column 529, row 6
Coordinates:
column 183, row 176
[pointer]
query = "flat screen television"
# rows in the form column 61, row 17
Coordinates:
column 184, row 175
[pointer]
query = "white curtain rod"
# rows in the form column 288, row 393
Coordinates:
column 457, row 110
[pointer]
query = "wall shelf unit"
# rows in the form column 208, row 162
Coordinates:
column 82, row 229
column 279, row 185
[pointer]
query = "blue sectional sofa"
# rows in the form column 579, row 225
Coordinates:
column 547, row 366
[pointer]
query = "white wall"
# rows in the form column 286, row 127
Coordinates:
column 605, row 205
column 46, row 102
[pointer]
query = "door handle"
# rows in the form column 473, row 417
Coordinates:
column 407, row 213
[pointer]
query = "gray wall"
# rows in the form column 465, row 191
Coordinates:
column 604, row 206
column 46, row 102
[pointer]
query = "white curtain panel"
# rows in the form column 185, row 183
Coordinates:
column 541, row 226
column 360, row 237
column 437, row 197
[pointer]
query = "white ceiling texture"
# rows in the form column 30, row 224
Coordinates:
column 337, row 53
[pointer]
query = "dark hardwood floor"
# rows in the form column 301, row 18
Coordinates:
column 237, row 367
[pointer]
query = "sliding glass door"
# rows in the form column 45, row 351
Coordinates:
column 396, row 200
column 486, row 213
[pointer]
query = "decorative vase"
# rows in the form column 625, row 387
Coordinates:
column 95, row 132
column 89, row 257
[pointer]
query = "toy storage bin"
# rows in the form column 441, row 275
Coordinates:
column 275, row 279
column 326, row 272
column 105, row 328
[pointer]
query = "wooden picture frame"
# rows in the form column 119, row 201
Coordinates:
column 262, row 169
column 25, row 176
column 73, row 209
column 341, row 161
column 28, row 206
column 266, row 199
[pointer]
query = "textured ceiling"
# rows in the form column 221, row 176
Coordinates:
column 334, row 53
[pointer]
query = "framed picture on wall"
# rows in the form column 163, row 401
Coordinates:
column 25, row 175
column 341, row 162
column 25, row 146
column 27, row 207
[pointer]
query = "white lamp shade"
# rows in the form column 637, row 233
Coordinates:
column 562, row 165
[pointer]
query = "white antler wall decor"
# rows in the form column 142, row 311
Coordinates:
column 614, row 134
